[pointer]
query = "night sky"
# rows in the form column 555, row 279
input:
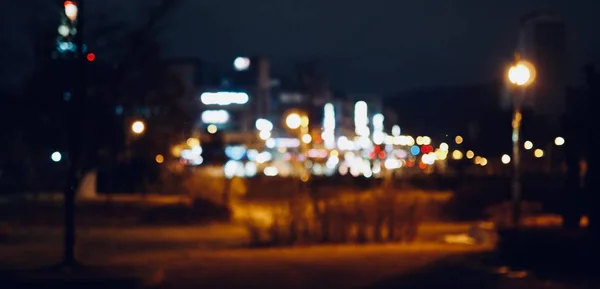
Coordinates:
column 366, row 46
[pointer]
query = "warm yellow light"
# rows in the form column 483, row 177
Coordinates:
column 293, row 120
column 211, row 129
column 470, row 154
column 176, row 151
column 483, row 162
column 138, row 127
column 441, row 155
column 538, row 153
column 306, row 138
column 457, row 155
column 478, row 160
column 505, row 159
column 334, row 153
column 458, row 139
column 528, row 145
column 159, row 159
column 304, row 121
column 192, row 142
column 559, row 141
column 522, row 73
column 264, row 134
column 304, row 178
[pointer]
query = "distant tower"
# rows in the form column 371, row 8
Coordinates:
column 263, row 87
column 542, row 41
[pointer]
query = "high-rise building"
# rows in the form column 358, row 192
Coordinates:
column 542, row 41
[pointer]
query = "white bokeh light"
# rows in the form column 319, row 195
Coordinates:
column 56, row 157
column 241, row 63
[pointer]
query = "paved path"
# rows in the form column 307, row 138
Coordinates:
column 198, row 257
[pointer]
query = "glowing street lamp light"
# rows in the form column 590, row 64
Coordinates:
column 293, row 120
column 559, row 141
column 297, row 122
column 138, row 127
column 520, row 74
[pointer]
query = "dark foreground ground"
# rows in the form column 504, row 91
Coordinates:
column 408, row 266
column 195, row 257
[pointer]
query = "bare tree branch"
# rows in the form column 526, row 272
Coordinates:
column 140, row 38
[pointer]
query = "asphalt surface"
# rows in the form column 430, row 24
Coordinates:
column 212, row 257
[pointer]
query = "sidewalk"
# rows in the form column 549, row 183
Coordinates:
column 89, row 277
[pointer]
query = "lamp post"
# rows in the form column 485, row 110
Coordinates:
column 521, row 74
column 74, row 121
column 297, row 122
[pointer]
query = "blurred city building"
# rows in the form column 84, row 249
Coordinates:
column 542, row 41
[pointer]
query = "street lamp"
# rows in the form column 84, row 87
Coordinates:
column 297, row 122
column 520, row 74
column 293, row 120
column 138, row 127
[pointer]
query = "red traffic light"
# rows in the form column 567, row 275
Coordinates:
column 90, row 57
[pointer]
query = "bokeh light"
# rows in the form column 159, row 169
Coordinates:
column 538, row 153
column 56, row 157
column 211, row 129
column 505, row 159
column 470, row 154
column 138, row 127
column 293, row 120
column 457, row 155
column 458, row 139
